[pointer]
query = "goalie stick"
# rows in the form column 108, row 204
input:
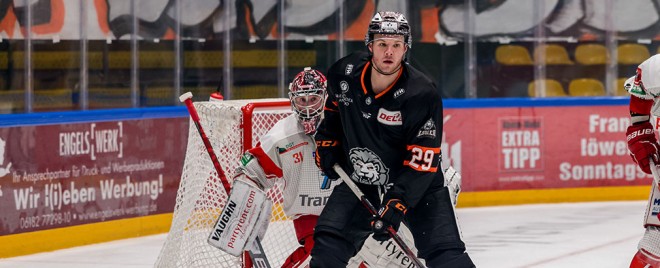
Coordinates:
column 344, row 177
column 654, row 171
column 257, row 255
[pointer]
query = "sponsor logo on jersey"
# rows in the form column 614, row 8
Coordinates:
column 290, row 146
column 369, row 168
column 313, row 201
column 246, row 158
column 427, row 130
column 349, row 69
column 391, row 118
column 399, row 92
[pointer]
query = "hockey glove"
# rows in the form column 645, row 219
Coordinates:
column 391, row 213
column 328, row 153
column 642, row 144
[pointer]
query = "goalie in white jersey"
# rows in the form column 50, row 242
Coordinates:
column 644, row 89
column 286, row 152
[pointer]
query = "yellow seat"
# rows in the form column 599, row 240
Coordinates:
column 513, row 55
column 632, row 54
column 584, row 87
column 619, row 90
column 591, row 54
column 552, row 88
column 554, row 54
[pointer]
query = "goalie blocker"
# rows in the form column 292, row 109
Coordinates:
column 244, row 219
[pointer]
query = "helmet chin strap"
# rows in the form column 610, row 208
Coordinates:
column 373, row 65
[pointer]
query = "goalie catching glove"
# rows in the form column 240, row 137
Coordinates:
column 391, row 213
column 642, row 144
column 244, row 218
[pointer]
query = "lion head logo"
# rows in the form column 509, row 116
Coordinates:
column 369, row 168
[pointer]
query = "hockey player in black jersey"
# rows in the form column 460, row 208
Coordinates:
column 383, row 125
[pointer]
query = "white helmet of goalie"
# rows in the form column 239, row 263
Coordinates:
column 307, row 93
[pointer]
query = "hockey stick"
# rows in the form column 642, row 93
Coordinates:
column 257, row 255
column 654, row 171
column 344, row 177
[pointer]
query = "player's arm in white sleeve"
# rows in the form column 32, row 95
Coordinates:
column 261, row 164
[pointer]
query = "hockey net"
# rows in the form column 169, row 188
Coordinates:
column 232, row 127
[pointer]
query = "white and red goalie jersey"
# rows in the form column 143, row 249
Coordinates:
column 285, row 156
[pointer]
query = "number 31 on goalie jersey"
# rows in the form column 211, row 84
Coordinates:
column 424, row 159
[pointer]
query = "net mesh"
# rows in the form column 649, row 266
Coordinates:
column 201, row 196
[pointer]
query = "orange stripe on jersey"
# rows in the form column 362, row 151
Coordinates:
column 364, row 88
column 422, row 158
column 434, row 149
column 391, row 85
column 332, row 106
column 419, row 167
column 364, row 71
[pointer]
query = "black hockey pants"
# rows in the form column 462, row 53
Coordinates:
column 344, row 225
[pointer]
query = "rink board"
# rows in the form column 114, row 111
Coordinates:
column 509, row 151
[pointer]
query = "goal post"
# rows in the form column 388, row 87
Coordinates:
column 232, row 127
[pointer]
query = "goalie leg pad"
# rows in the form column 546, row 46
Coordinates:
column 386, row 254
column 244, row 218
column 652, row 217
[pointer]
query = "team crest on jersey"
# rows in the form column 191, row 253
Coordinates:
column 399, row 92
column 369, row 168
column 368, row 101
column 349, row 69
column 343, row 85
column 390, row 118
column 427, row 130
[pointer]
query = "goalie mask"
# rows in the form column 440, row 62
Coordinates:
column 307, row 95
column 388, row 22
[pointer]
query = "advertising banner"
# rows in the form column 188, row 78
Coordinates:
column 540, row 147
column 70, row 174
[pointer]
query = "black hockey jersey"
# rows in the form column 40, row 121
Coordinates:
column 391, row 138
